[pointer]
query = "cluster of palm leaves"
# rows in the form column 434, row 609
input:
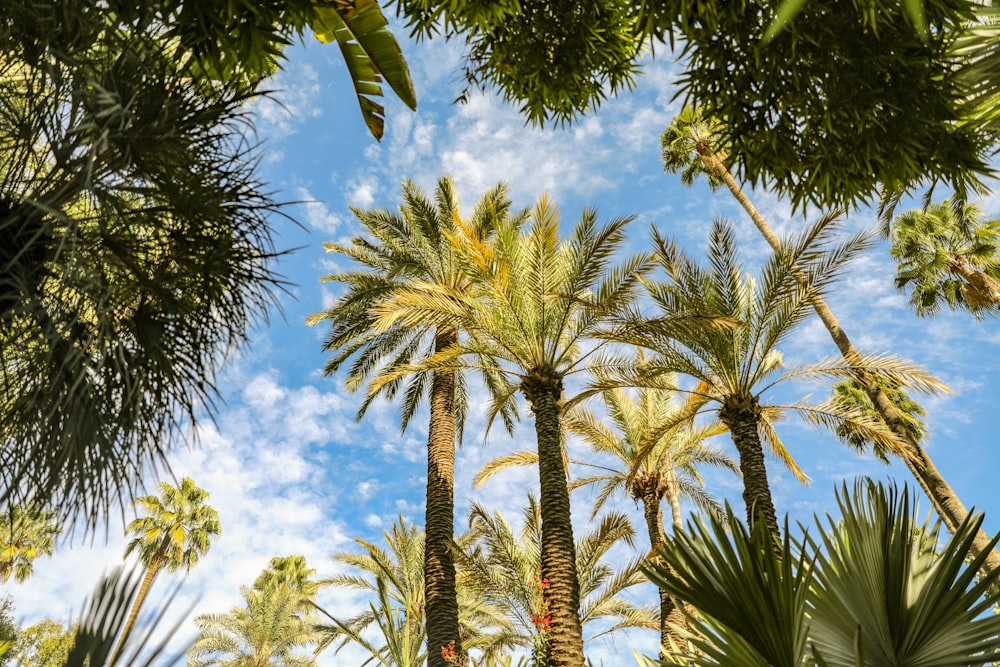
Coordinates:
column 436, row 297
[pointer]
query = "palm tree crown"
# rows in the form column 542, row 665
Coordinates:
column 948, row 255
column 26, row 533
column 736, row 365
column 267, row 631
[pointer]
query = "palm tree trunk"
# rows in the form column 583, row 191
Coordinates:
column 440, row 595
column 940, row 493
column 562, row 596
column 740, row 416
column 671, row 617
column 151, row 571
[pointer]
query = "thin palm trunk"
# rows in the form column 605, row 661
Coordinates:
column 740, row 417
column 441, row 598
column 940, row 493
column 562, row 596
column 155, row 565
column 671, row 617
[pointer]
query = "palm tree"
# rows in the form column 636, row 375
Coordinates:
column 668, row 470
column 852, row 393
column 293, row 573
column 535, row 303
column 268, row 630
column 656, row 423
column 736, row 366
column 175, row 533
column 874, row 587
column 947, row 254
column 410, row 256
column 693, row 140
column 26, row 533
column 394, row 576
column 504, row 568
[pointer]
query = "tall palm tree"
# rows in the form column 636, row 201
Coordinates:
column 667, row 470
column 870, row 588
column 267, row 631
column 736, row 366
column 535, row 305
column 692, row 139
column 26, row 533
column 175, row 533
column 947, row 254
column 405, row 256
column 505, row 569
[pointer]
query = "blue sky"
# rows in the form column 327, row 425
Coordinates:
column 288, row 468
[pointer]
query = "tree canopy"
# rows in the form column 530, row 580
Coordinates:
column 843, row 97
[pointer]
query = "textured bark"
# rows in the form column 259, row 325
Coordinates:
column 558, row 550
column 740, row 415
column 440, row 595
column 671, row 617
column 937, row 489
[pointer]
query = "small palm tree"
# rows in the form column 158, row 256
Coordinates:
column 175, row 533
column 26, row 534
column 535, row 305
column 660, row 452
column 736, row 366
column 394, row 577
column 870, row 588
column 947, row 254
column 505, row 569
column 267, row 631
column 408, row 255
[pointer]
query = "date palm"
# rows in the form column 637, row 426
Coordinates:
column 737, row 366
column 404, row 256
column 504, row 568
column 394, row 578
column 692, row 140
column 535, row 305
column 946, row 254
column 176, row 531
column 395, row 575
column 291, row 572
column 26, row 534
column 669, row 469
column 658, row 424
column 267, row 631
